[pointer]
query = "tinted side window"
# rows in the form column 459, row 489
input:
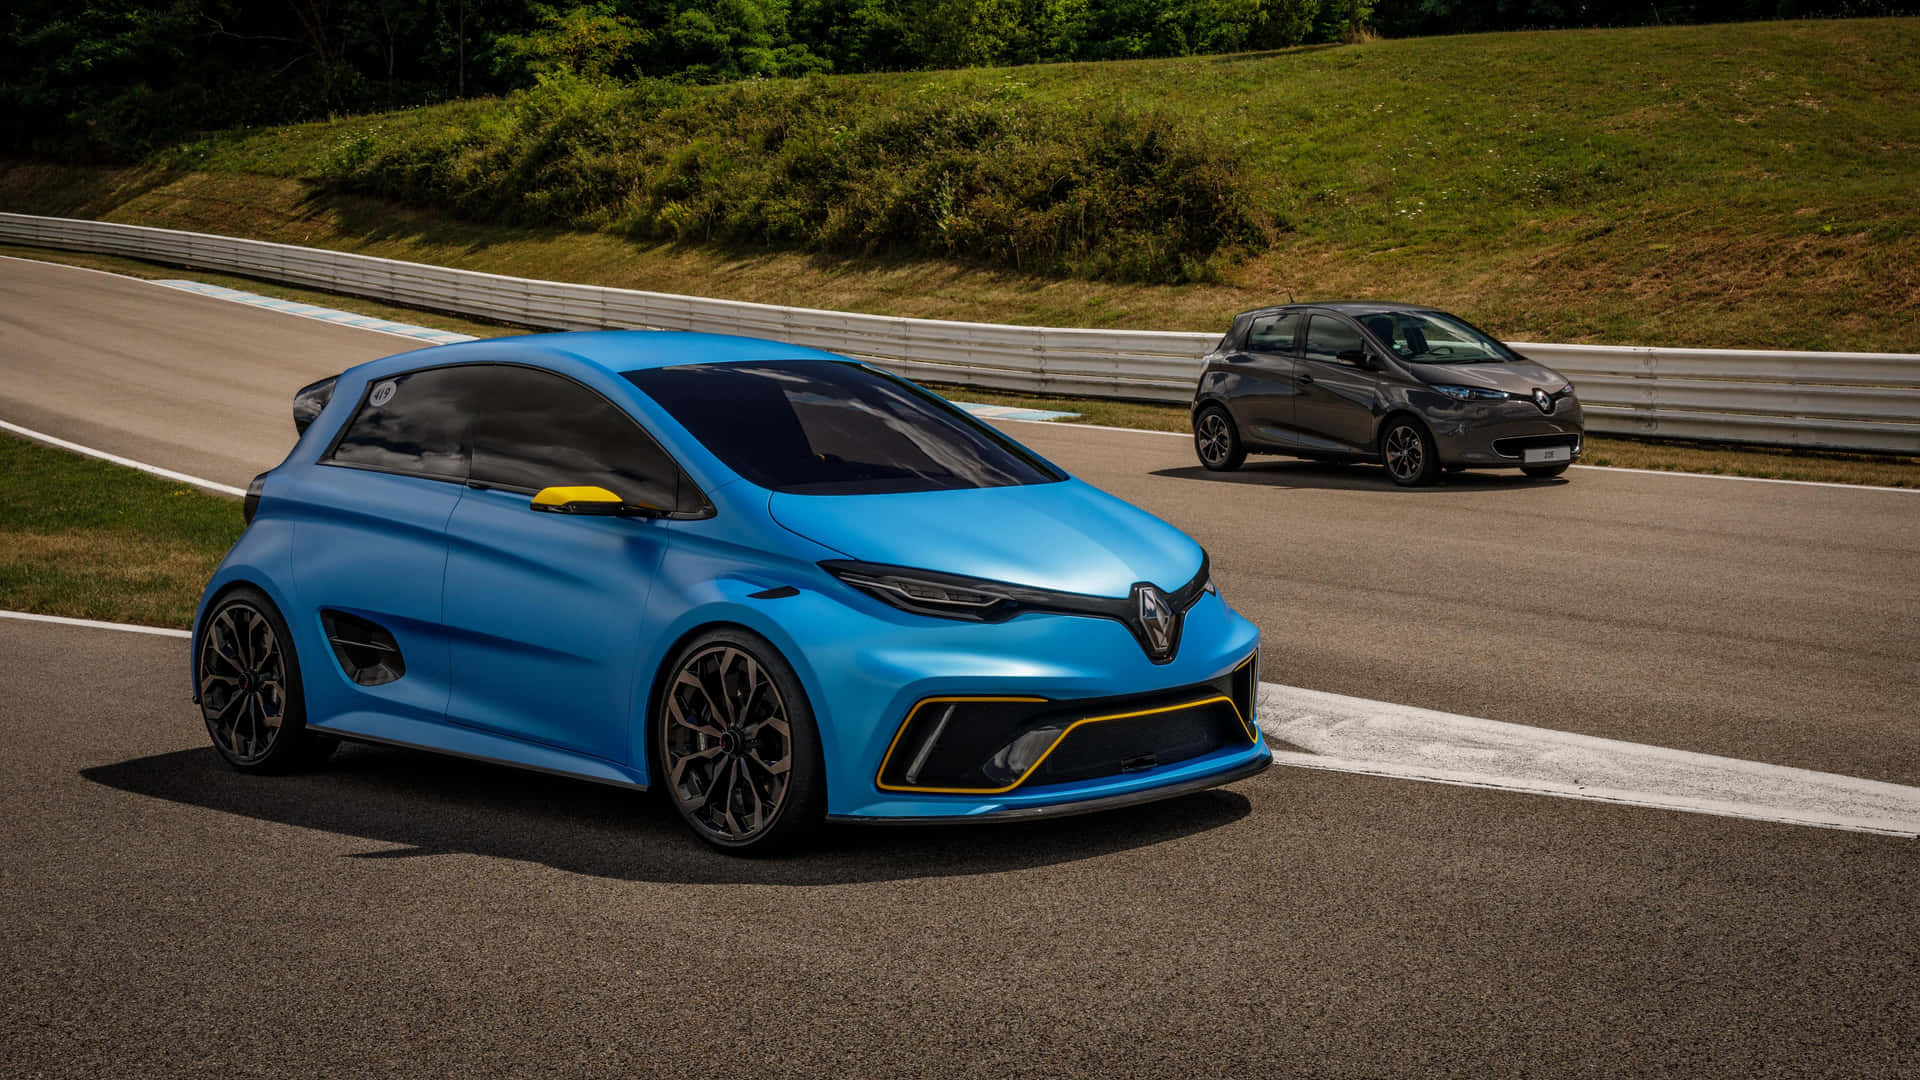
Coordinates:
column 532, row 430
column 413, row 423
column 1273, row 333
column 1328, row 336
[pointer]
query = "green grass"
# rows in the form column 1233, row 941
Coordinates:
column 88, row 539
column 1746, row 185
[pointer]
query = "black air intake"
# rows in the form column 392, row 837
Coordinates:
column 366, row 651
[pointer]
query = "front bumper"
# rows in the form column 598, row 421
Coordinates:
column 1489, row 435
column 1247, row 765
column 1081, row 670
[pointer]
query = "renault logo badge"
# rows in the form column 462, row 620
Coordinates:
column 1543, row 399
column 1158, row 624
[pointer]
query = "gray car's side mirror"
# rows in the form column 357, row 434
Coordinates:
column 1356, row 357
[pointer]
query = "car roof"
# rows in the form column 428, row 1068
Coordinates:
column 620, row 351
column 1345, row 307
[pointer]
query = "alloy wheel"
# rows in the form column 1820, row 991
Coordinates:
column 1214, row 439
column 1406, row 453
column 728, row 744
column 243, row 683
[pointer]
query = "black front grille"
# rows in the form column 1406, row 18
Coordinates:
column 986, row 744
column 1130, row 744
column 1519, row 444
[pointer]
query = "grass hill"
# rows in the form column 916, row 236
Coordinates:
column 1750, row 185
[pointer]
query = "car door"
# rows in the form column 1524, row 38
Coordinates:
column 369, row 551
column 1263, row 386
column 545, row 612
column 1338, row 390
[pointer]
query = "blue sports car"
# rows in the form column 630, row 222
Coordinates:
column 777, row 584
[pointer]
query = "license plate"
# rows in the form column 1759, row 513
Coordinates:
column 1543, row 454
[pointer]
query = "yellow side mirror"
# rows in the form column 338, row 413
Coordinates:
column 593, row 501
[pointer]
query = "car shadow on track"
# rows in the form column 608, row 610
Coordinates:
column 1320, row 474
column 431, row 804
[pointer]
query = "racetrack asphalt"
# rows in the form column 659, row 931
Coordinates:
column 402, row 913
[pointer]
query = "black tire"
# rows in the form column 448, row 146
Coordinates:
column 1544, row 472
column 251, row 696
column 1216, row 441
column 696, row 748
column 1408, row 453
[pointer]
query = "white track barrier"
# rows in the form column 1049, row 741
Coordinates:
column 1838, row 401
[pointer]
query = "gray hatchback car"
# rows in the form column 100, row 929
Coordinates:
column 1412, row 388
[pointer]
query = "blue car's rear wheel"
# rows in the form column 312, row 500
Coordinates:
column 250, row 693
column 737, row 748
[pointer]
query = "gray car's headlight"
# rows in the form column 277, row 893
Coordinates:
column 1471, row 393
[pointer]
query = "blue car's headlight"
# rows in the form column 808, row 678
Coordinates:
column 951, row 596
column 1471, row 393
column 945, row 596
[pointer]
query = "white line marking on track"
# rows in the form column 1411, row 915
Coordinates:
column 41, row 436
column 175, row 285
column 1347, row 734
column 303, row 310
column 1748, row 479
column 94, row 624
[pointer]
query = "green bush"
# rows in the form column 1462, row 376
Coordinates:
column 821, row 165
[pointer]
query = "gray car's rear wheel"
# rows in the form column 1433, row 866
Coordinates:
column 737, row 748
column 1408, row 453
column 1217, row 441
column 250, row 691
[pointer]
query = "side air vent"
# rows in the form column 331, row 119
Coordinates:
column 308, row 401
column 367, row 653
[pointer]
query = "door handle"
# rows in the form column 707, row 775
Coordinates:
column 1306, row 376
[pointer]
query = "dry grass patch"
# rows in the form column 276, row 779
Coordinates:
column 93, row 575
column 86, row 539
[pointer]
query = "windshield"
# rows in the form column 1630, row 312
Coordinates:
column 1431, row 338
column 824, row 427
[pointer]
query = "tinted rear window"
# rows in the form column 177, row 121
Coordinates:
column 820, row 427
column 414, row 423
column 505, row 426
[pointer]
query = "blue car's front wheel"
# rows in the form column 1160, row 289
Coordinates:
column 250, row 691
column 737, row 748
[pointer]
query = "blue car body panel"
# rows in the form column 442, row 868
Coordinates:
column 539, row 640
column 1069, row 536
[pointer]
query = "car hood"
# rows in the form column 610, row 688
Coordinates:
column 1067, row 536
column 1513, row 378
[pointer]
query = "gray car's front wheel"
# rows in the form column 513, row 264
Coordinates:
column 1408, row 453
column 738, row 751
column 1217, row 441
